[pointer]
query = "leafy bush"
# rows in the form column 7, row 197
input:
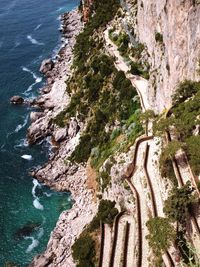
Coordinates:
column 101, row 15
column 96, row 99
column 83, row 149
column 137, row 51
column 184, row 119
column 166, row 170
column 104, row 179
column 185, row 90
column 106, row 213
column 60, row 119
column 178, row 205
column 188, row 252
column 83, row 251
column 136, row 68
column 161, row 235
column 159, row 37
column 193, row 153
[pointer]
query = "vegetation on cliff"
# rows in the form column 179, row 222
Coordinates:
column 101, row 97
column 161, row 236
column 184, row 123
column 83, row 250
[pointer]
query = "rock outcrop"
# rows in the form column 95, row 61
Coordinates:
column 16, row 100
column 47, row 65
column 170, row 33
column 58, row 173
column 54, row 97
column 173, row 57
column 176, row 56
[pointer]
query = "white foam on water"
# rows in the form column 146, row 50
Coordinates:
column 20, row 126
column 37, row 204
column 17, row 43
column 40, row 233
column 37, row 80
column 22, row 143
column 58, row 18
column 47, row 194
column 35, row 184
column 27, row 157
column 59, row 9
column 37, row 27
column 33, row 245
column 33, row 41
column 2, row 146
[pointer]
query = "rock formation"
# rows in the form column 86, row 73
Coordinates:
column 169, row 32
column 176, row 57
column 17, row 100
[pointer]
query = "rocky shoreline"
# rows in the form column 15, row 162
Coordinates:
column 58, row 173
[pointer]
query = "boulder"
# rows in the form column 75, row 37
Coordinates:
column 35, row 116
column 60, row 134
column 49, row 105
column 46, row 65
column 72, row 215
column 16, row 100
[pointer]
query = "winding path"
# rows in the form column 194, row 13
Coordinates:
column 141, row 86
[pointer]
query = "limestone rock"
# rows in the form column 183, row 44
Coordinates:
column 73, row 128
column 60, row 134
column 46, row 65
column 35, row 115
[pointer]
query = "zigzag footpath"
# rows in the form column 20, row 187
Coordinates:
column 141, row 87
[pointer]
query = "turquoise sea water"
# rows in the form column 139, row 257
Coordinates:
column 28, row 34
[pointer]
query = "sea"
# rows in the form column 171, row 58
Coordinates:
column 29, row 33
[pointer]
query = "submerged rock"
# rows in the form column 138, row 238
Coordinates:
column 26, row 230
column 10, row 264
column 16, row 100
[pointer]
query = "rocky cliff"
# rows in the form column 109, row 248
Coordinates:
column 101, row 104
column 175, row 56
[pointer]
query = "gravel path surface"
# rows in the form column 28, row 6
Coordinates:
column 107, row 245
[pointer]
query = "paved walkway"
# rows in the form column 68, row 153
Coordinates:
column 138, row 82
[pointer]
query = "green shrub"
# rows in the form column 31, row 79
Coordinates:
column 167, row 170
column 193, row 143
column 185, row 90
column 136, row 68
column 104, row 180
column 60, row 119
column 184, row 119
column 137, row 51
column 83, row 149
column 178, row 205
column 101, row 15
column 161, row 235
column 159, row 37
column 83, row 251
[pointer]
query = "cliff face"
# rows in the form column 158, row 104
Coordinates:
column 174, row 57
column 170, row 32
